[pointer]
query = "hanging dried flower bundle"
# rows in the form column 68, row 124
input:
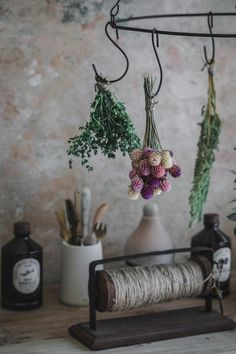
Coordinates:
column 151, row 165
column 108, row 130
column 208, row 142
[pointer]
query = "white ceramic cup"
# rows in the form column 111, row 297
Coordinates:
column 75, row 272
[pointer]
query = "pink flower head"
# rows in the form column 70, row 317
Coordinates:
column 144, row 167
column 158, row 171
column 175, row 171
column 136, row 155
column 147, row 192
column 165, row 185
column 133, row 173
column 137, row 184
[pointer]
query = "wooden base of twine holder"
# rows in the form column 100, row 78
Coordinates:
column 124, row 331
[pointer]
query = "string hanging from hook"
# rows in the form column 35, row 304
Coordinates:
column 113, row 13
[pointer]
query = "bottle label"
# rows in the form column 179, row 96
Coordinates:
column 26, row 275
column 222, row 264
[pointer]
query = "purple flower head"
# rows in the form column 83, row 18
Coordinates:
column 147, row 152
column 147, row 192
column 175, row 171
column 153, row 182
column 144, row 167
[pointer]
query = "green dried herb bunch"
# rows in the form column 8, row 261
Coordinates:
column 207, row 144
column 232, row 215
column 109, row 129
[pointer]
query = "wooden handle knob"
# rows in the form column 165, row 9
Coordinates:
column 105, row 290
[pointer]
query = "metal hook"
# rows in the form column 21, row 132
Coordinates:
column 155, row 45
column 121, row 50
column 210, row 26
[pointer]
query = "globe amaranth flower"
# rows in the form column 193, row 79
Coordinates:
column 175, row 171
column 136, row 155
column 137, row 184
column 155, row 158
column 132, row 194
column 144, row 167
column 158, row 171
column 147, row 192
column 166, row 159
column 165, row 185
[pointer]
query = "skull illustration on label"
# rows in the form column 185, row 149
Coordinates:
column 222, row 264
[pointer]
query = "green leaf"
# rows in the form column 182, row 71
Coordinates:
column 232, row 217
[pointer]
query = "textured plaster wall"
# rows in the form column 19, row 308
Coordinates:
column 47, row 84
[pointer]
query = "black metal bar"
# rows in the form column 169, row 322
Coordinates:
column 173, row 33
column 94, row 264
column 196, row 14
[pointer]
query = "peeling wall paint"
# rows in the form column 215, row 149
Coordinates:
column 80, row 10
column 47, row 85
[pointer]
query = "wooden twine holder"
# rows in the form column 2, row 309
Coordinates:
column 137, row 329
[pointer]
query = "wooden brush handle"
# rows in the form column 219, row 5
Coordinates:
column 85, row 206
column 100, row 212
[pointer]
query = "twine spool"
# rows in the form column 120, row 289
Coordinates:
column 132, row 287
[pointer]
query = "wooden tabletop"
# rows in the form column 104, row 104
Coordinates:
column 45, row 330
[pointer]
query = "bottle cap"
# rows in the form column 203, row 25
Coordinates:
column 210, row 219
column 21, row 228
column 150, row 210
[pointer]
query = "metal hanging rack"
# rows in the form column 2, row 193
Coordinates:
column 174, row 33
column 115, row 24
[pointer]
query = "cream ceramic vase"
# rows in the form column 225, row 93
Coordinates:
column 149, row 236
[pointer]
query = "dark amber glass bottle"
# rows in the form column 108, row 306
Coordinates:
column 21, row 271
column 211, row 236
